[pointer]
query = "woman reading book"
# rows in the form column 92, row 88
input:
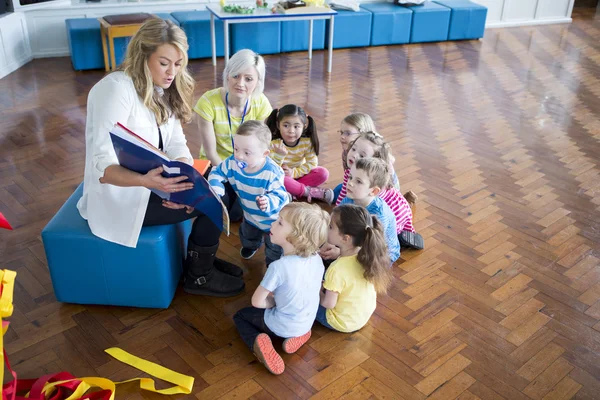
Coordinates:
column 221, row 111
column 151, row 94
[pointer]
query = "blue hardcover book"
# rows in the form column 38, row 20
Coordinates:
column 136, row 154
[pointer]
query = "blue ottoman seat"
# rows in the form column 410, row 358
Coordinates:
column 351, row 28
column 85, row 44
column 391, row 24
column 467, row 19
column 262, row 37
column 294, row 35
column 88, row 270
column 430, row 23
column 196, row 25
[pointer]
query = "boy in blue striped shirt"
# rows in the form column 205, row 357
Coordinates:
column 258, row 182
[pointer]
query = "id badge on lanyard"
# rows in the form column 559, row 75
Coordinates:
column 240, row 164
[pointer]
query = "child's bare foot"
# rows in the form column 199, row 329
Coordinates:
column 291, row 345
column 411, row 197
column 266, row 354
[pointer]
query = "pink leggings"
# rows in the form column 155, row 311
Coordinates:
column 316, row 177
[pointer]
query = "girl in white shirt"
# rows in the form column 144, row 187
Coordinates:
column 150, row 95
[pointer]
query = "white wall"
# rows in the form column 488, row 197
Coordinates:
column 504, row 13
column 14, row 43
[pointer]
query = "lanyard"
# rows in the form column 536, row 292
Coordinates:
column 229, row 116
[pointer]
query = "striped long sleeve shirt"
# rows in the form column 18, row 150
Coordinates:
column 394, row 199
column 301, row 158
column 268, row 181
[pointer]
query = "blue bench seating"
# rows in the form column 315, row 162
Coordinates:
column 294, row 35
column 196, row 25
column 391, row 24
column 467, row 19
column 430, row 22
column 262, row 37
column 88, row 270
column 351, row 29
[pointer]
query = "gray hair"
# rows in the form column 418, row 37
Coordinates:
column 243, row 60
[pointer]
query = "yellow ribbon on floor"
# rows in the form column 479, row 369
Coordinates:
column 182, row 383
column 7, row 280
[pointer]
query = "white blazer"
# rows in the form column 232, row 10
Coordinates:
column 116, row 213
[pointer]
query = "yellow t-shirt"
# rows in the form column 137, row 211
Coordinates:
column 301, row 158
column 211, row 107
column 357, row 298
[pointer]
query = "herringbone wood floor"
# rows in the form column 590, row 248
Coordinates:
column 501, row 140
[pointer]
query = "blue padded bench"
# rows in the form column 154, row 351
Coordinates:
column 430, row 23
column 262, row 37
column 391, row 24
column 85, row 43
column 294, row 35
column 88, row 270
column 196, row 25
column 351, row 28
column 467, row 19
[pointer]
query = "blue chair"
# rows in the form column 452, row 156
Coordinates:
column 88, row 270
column 294, row 35
column 85, row 44
column 262, row 37
column 351, row 29
column 430, row 23
column 467, row 19
column 196, row 25
column 391, row 24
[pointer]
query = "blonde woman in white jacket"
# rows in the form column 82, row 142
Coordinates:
column 151, row 95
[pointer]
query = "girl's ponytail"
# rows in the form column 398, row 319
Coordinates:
column 271, row 123
column 374, row 258
column 311, row 132
column 367, row 233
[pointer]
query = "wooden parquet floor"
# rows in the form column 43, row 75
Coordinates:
column 500, row 138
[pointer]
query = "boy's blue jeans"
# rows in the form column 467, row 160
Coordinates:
column 252, row 238
column 322, row 317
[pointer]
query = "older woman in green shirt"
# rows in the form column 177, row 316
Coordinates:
column 221, row 111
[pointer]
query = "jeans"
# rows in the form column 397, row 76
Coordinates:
column 252, row 238
column 322, row 317
column 250, row 322
column 316, row 177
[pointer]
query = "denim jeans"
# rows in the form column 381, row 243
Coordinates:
column 250, row 322
column 252, row 238
column 322, row 317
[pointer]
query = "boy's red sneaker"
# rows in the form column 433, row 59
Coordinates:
column 291, row 345
column 266, row 354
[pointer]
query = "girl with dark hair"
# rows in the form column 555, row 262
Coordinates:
column 351, row 283
column 295, row 146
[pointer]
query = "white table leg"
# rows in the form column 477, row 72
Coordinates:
column 226, row 40
column 310, row 38
column 213, row 40
column 330, row 61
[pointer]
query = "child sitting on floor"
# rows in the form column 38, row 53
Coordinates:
column 367, row 177
column 258, row 182
column 295, row 146
column 349, row 294
column 286, row 302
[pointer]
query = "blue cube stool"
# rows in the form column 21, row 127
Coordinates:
column 196, row 25
column 85, row 44
column 294, row 35
column 351, row 28
column 430, row 23
column 467, row 19
column 391, row 24
column 88, row 270
column 262, row 37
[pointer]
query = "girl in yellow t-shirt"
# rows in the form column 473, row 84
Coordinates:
column 351, row 284
column 295, row 147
